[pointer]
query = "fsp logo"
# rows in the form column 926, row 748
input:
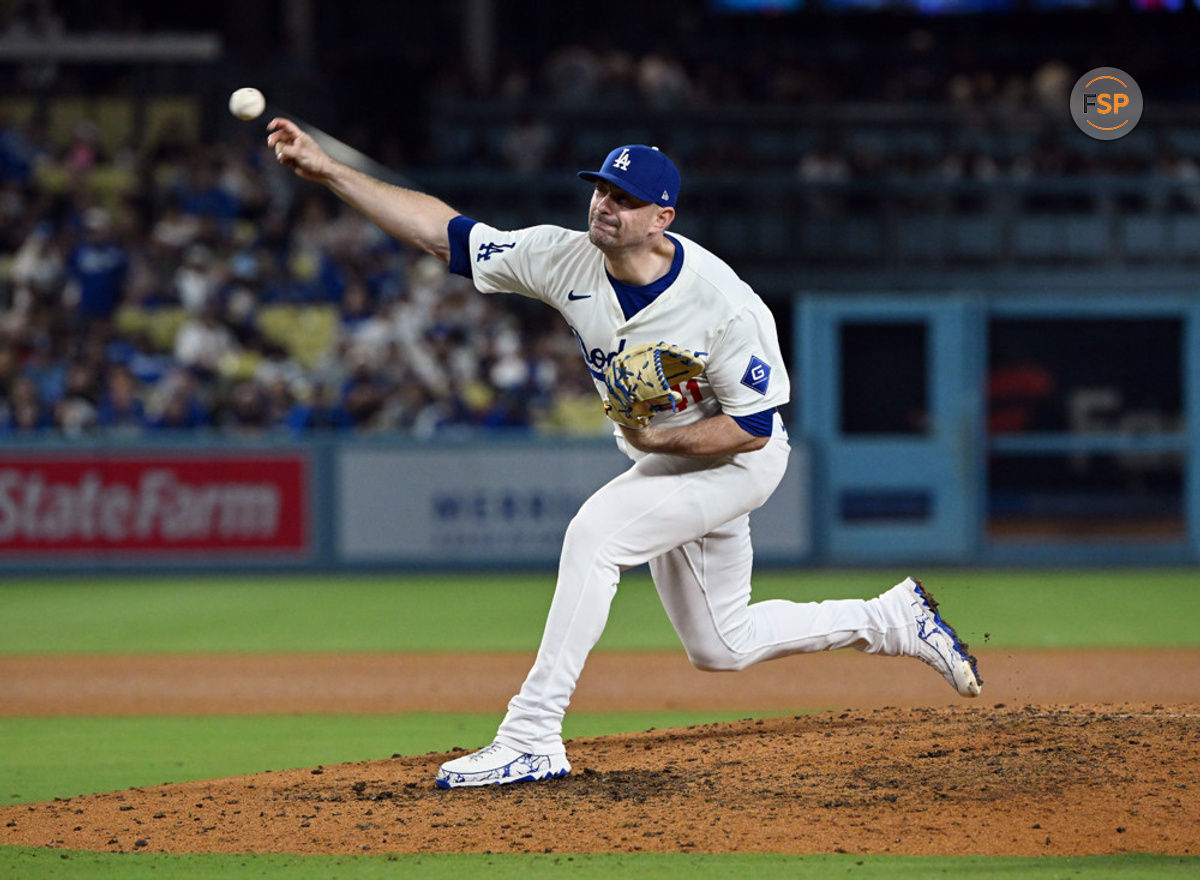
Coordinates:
column 1106, row 103
column 622, row 161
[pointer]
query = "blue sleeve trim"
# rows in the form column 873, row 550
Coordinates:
column 459, row 233
column 758, row 424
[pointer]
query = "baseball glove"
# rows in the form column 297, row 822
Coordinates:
column 639, row 382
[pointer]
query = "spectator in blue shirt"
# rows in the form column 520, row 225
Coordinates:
column 97, row 268
column 120, row 410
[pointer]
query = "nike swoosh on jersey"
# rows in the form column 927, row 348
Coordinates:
column 572, row 295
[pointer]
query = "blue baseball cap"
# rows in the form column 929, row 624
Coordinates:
column 641, row 171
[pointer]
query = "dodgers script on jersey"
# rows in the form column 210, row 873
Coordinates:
column 707, row 309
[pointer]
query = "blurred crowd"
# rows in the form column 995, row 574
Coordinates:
column 188, row 283
column 201, row 286
column 932, row 117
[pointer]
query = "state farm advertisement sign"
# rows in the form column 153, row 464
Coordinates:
column 149, row 502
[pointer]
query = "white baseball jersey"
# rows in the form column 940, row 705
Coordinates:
column 706, row 308
column 688, row 517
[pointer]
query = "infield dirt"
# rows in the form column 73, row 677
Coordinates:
column 1052, row 760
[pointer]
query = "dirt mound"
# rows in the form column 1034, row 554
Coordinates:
column 992, row 780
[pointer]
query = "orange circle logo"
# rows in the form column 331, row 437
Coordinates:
column 1106, row 103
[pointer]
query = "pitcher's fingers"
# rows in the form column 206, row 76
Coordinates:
column 281, row 129
column 279, row 142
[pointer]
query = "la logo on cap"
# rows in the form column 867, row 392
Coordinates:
column 652, row 173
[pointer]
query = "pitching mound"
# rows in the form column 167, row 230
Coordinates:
column 986, row 780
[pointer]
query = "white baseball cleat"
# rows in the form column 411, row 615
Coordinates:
column 939, row 645
column 497, row 764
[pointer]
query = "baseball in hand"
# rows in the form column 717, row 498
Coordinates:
column 247, row 103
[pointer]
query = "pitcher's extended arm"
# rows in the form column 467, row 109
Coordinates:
column 406, row 214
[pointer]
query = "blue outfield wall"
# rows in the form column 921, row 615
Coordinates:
column 939, row 481
column 491, row 501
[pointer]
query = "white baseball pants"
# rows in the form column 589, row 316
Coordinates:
column 690, row 519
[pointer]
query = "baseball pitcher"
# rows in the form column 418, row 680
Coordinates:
column 686, row 361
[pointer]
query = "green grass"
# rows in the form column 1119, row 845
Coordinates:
column 105, row 866
column 505, row 612
column 44, row 758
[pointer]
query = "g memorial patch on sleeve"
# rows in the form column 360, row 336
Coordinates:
column 757, row 375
